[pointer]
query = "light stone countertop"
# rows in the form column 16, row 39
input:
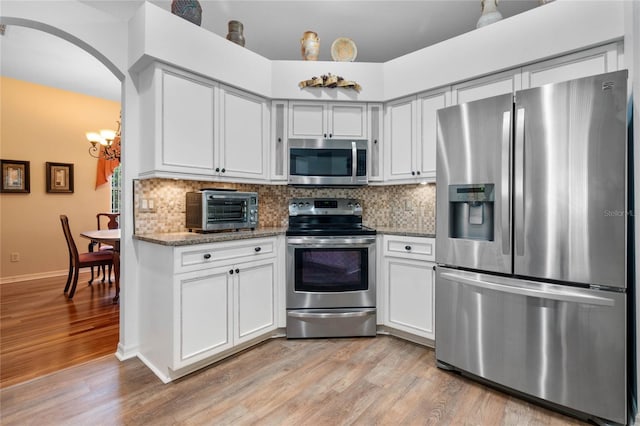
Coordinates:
column 190, row 238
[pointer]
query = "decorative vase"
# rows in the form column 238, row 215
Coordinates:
column 490, row 13
column 187, row 9
column 235, row 32
column 310, row 46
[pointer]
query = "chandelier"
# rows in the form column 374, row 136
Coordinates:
column 105, row 144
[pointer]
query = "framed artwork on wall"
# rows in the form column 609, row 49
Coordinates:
column 59, row 178
column 15, row 176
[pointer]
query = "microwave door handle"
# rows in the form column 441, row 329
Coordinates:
column 354, row 162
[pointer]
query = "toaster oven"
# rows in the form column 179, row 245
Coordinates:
column 210, row 210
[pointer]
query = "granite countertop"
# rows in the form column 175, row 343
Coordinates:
column 190, row 238
column 405, row 231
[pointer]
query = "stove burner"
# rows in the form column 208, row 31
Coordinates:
column 326, row 217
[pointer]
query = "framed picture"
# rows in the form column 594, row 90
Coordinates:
column 59, row 178
column 15, row 176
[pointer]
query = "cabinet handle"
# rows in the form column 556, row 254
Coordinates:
column 217, row 169
column 207, row 256
column 330, row 135
column 418, row 173
column 279, row 140
column 237, row 271
column 223, row 170
column 325, row 135
column 375, row 141
column 407, row 248
column 231, row 271
column 413, row 173
column 257, row 249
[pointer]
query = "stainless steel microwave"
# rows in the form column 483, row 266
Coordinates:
column 328, row 162
column 214, row 209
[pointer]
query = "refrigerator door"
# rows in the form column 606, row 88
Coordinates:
column 473, row 185
column 570, row 181
column 562, row 344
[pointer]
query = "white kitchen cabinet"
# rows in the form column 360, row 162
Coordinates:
column 195, row 128
column 411, row 136
column 588, row 62
column 244, row 136
column 178, row 112
column 375, row 114
column 203, row 308
column 254, row 299
column 205, row 301
column 408, row 284
column 279, row 145
column 486, row 87
column 327, row 120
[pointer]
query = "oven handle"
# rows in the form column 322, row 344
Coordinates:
column 331, row 240
column 354, row 314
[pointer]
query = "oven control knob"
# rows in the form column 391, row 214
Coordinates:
column 294, row 205
column 306, row 204
column 357, row 205
column 300, row 205
column 349, row 205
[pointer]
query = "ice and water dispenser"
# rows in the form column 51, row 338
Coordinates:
column 471, row 210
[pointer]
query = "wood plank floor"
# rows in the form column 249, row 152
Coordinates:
column 55, row 371
column 41, row 331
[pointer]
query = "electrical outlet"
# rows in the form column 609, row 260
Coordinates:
column 15, row 257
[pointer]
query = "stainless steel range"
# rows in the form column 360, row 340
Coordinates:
column 331, row 288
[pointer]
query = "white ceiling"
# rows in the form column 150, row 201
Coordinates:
column 381, row 30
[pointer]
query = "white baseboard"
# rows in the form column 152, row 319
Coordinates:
column 29, row 277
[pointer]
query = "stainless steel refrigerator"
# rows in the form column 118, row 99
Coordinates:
column 531, row 243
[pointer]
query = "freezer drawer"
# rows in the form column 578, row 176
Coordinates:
column 562, row 344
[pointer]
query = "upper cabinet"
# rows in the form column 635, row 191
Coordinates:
column 486, row 87
column 327, row 120
column 178, row 116
column 411, row 135
column 244, row 136
column 194, row 128
column 594, row 61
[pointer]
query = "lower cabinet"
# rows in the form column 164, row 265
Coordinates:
column 408, row 284
column 196, row 312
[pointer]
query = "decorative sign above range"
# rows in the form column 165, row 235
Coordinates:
column 330, row 81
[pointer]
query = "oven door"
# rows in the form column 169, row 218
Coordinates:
column 331, row 272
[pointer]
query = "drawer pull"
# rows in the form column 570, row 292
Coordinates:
column 257, row 249
column 207, row 256
column 407, row 248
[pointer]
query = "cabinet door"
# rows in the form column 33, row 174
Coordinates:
column 347, row 121
column 186, row 115
column 400, row 137
column 428, row 105
column 375, row 141
column 307, row 120
column 482, row 88
column 279, row 118
column 594, row 61
column 254, row 300
column 243, row 135
column 410, row 296
column 203, row 325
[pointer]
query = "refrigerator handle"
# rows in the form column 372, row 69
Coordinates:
column 519, row 183
column 506, row 170
column 549, row 294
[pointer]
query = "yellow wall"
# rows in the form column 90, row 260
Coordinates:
column 40, row 124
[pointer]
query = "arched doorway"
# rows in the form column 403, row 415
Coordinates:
column 52, row 148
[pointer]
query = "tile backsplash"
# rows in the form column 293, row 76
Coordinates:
column 160, row 203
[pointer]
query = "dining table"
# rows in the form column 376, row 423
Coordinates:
column 111, row 237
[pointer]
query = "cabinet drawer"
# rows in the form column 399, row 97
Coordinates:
column 409, row 247
column 211, row 255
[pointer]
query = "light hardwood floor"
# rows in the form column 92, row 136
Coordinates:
column 359, row 381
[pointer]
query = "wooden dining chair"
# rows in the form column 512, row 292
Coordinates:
column 111, row 221
column 81, row 260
